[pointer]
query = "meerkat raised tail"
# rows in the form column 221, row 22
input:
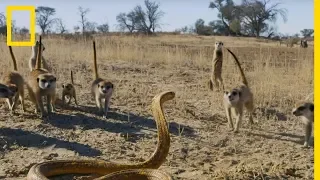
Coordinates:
column 42, row 83
column 15, row 82
column 101, row 89
column 237, row 99
column 305, row 111
column 69, row 91
column 33, row 58
column 216, row 78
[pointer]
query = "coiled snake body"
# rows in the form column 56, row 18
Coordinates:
column 112, row 170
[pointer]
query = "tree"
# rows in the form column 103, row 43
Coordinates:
column 143, row 20
column 256, row 14
column 226, row 13
column 24, row 31
column 103, row 28
column 2, row 20
column 84, row 20
column 217, row 27
column 202, row 29
column 61, row 28
column 3, row 26
column 127, row 21
column 307, row 32
column 91, row 27
column 45, row 17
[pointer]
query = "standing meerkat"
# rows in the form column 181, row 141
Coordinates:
column 33, row 58
column 69, row 91
column 238, row 98
column 216, row 78
column 5, row 91
column 305, row 111
column 15, row 82
column 100, row 88
column 42, row 83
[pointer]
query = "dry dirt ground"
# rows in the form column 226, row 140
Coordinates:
column 201, row 145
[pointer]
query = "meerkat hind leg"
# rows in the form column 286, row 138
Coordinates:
column 10, row 103
column 249, row 107
column 75, row 99
column 15, row 102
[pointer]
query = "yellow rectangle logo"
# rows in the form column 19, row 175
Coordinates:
column 32, row 11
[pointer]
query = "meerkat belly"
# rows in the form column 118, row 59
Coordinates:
column 217, row 66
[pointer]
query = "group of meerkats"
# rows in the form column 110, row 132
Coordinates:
column 240, row 97
column 42, row 82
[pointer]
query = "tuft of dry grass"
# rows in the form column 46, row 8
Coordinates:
column 141, row 67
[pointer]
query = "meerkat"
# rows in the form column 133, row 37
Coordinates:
column 33, row 58
column 15, row 82
column 305, row 111
column 6, row 92
column 100, row 88
column 217, row 61
column 238, row 98
column 69, row 91
column 42, row 83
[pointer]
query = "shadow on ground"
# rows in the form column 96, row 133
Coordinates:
column 127, row 122
column 283, row 137
column 30, row 139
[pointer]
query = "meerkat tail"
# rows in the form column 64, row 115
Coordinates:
column 38, row 59
column 244, row 79
column 95, row 61
column 72, row 78
column 13, row 59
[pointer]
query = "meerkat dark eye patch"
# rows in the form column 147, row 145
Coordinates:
column 311, row 107
column 234, row 93
column 43, row 80
column 301, row 108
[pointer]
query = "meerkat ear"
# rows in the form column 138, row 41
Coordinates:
column 63, row 86
column 37, row 79
column 98, row 85
column 311, row 107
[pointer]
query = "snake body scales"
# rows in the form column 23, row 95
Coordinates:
column 147, row 170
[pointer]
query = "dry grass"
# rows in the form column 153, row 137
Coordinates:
column 141, row 67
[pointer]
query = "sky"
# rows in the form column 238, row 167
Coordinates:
column 178, row 13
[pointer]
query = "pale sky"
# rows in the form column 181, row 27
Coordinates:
column 178, row 13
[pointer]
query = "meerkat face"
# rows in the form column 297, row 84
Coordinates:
column 233, row 96
column 304, row 109
column 46, row 81
column 218, row 45
column 67, row 87
column 5, row 91
column 105, row 87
